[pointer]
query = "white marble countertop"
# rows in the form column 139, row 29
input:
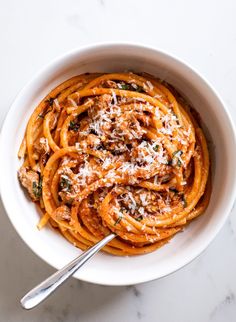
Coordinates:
column 203, row 33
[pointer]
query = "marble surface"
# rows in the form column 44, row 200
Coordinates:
column 202, row 33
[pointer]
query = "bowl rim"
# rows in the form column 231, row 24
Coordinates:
column 89, row 48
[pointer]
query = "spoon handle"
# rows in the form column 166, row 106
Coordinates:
column 47, row 287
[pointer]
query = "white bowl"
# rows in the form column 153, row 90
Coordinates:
column 106, row 269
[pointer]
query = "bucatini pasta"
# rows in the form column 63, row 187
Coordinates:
column 120, row 153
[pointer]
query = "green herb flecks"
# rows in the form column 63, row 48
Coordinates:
column 139, row 218
column 65, row 183
column 156, row 147
column 125, row 87
column 177, row 154
column 118, row 220
column 37, row 188
column 74, row 125
column 131, row 87
column 42, row 115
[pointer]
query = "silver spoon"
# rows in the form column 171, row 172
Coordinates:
column 47, row 287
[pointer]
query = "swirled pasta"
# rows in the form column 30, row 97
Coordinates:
column 120, row 153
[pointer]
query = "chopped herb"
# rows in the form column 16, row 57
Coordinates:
column 177, row 154
column 139, row 218
column 184, row 201
column 118, row 220
column 65, row 183
column 156, row 148
column 179, row 163
column 125, row 86
column 74, row 126
column 42, row 115
column 37, row 188
column 129, row 87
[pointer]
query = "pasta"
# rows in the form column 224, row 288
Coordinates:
column 120, row 153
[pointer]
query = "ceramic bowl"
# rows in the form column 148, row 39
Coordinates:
column 184, row 247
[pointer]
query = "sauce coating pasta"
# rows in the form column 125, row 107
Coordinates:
column 120, row 153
